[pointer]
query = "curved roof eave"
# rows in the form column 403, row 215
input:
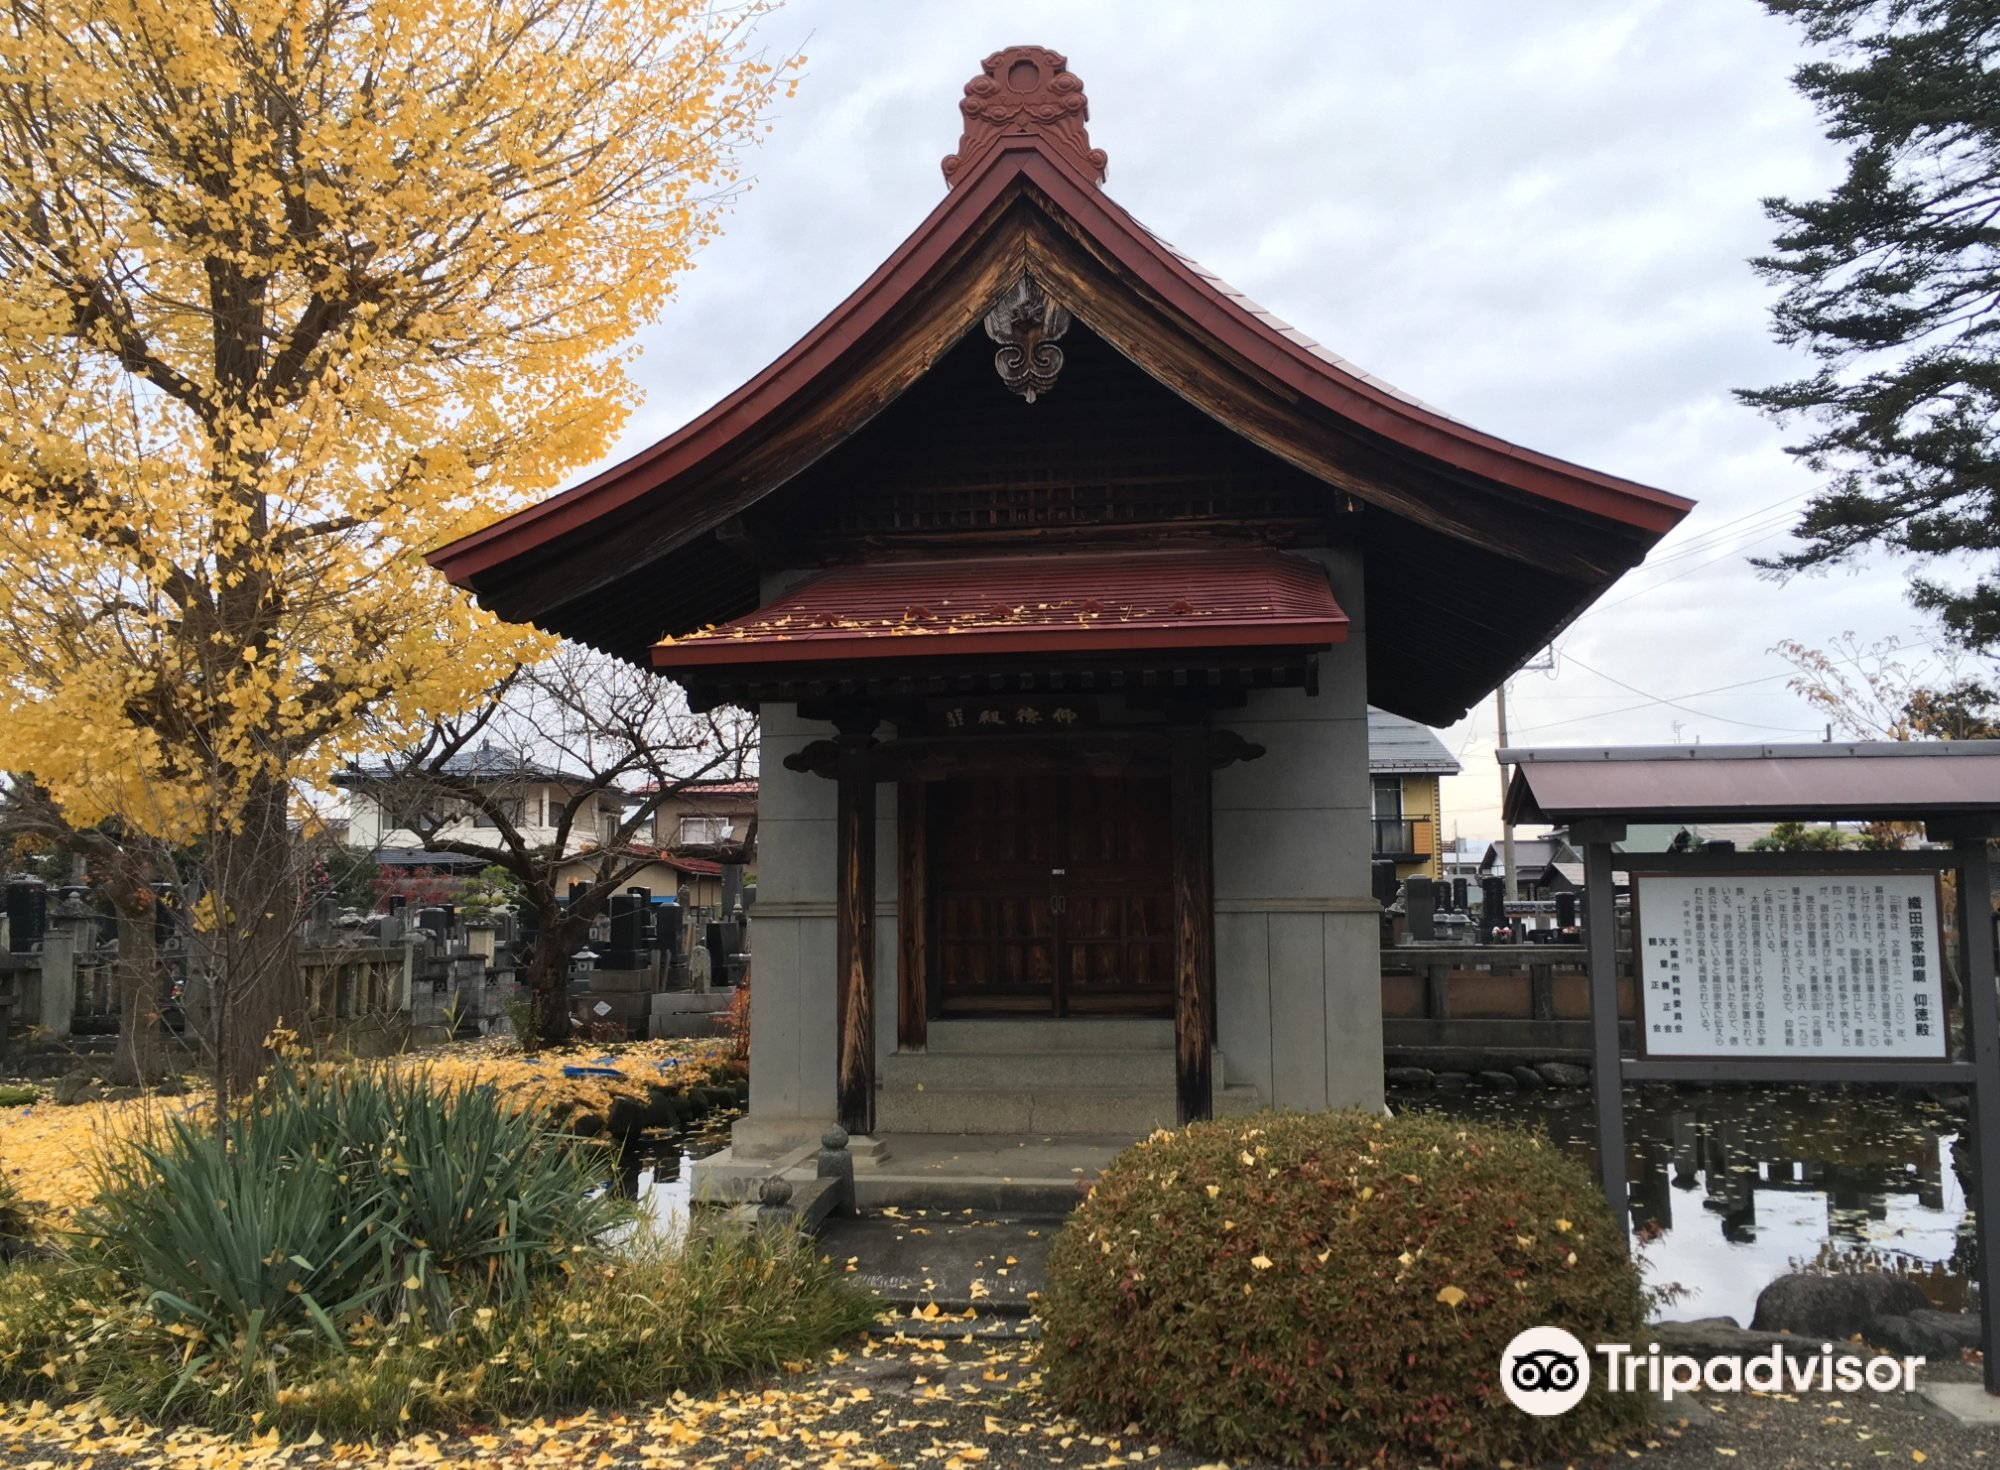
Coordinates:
column 1208, row 304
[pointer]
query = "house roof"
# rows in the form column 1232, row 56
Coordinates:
column 691, row 866
column 1399, row 745
column 744, row 787
column 484, row 762
column 1906, row 780
column 419, row 857
column 962, row 608
column 1465, row 519
column 1659, row 836
column 1531, row 853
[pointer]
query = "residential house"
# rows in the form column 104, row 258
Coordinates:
column 711, row 819
column 1407, row 764
column 386, row 811
column 1462, row 857
column 1548, row 865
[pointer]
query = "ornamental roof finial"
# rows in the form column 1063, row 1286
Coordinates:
column 1025, row 89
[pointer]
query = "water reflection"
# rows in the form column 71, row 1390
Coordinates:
column 658, row 1168
column 1731, row 1189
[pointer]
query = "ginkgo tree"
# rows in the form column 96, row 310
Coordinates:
column 291, row 290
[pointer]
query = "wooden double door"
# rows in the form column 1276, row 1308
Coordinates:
column 1052, row 895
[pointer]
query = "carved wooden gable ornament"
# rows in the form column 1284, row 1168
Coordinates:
column 1025, row 89
column 1027, row 325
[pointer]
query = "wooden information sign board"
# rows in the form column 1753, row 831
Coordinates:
column 1764, row 964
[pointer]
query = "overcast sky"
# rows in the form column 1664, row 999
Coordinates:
column 1535, row 216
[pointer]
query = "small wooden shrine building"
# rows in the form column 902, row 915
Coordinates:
column 1063, row 577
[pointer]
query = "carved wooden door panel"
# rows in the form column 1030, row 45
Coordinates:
column 1116, row 918
column 1053, row 896
column 992, row 848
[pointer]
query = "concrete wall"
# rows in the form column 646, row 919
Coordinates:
column 1298, row 975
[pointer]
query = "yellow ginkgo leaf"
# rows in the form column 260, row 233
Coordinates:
column 1451, row 1296
column 1261, row 1262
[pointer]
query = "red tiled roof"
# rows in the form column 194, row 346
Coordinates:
column 1031, row 604
column 693, row 867
column 699, row 787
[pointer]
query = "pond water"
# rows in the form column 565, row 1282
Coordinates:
column 1733, row 1188
column 659, row 1166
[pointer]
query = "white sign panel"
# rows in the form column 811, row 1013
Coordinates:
column 1811, row 965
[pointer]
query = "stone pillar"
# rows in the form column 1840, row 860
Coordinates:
column 62, row 942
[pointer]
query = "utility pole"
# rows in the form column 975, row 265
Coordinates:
column 1542, row 664
column 1513, row 888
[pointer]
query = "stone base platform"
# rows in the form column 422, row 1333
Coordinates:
column 688, row 1012
column 1014, row 1174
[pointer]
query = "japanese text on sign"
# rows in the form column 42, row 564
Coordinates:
column 1002, row 714
column 1804, row 966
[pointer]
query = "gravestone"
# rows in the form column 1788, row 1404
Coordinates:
column 1417, row 898
column 27, row 914
column 1492, row 907
column 1382, row 881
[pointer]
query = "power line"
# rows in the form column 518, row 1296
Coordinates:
column 1651, row 701
column 1735, row 550
column 1689, row 709
column 1714, row 533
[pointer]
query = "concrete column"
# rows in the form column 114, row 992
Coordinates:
column 792, row 1022
column 1298, row 968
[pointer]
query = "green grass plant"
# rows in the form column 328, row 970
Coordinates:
column 359, row 1251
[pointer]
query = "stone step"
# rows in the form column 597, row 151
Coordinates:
column 1019, row 1072
column 1043, row 1037
column 951, row 1107
column 1234, row 1102
column 1134, row 1111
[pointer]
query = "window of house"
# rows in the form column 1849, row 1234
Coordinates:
column 703, row 831
column 508, row 807
column 1388, row 798
column 410, row 813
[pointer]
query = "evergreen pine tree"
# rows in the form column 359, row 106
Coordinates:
column 1892, row 282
